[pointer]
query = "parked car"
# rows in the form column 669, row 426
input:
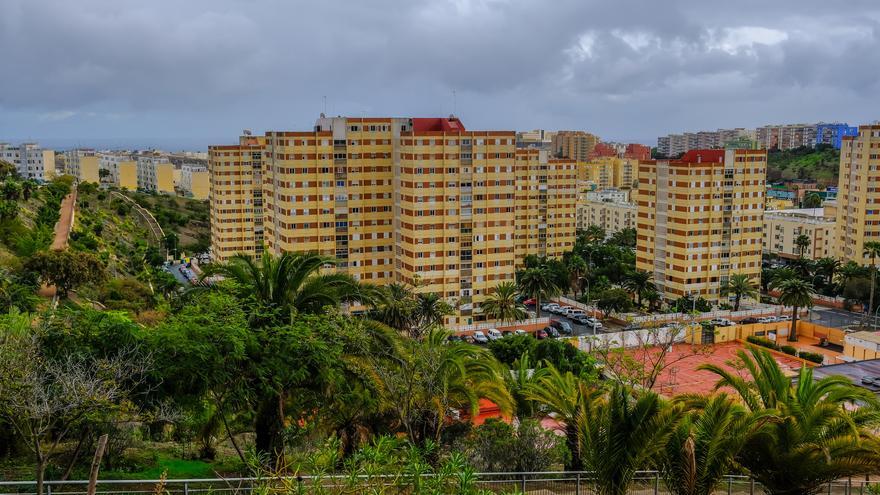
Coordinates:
column 549, row 307
column 562, row 326
column 493, row 334
column 506, row 333
column 529, row 302
column 767, row 319
column 469, row 339
column 520, row 331
column 552, row 332
column 720, row 322
column 593, row 323
column 749, row 320
column 783, row 318
column 454, row 338
column 540, row 334
column 480, row 337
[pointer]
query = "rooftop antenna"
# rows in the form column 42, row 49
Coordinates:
column 325, row 104
column 454, row 103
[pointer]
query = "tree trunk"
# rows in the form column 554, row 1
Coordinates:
column 76, row 452
column 871, row 296
column 736, row 303
column 96, row 464
column 792, row 332
column 268, row 427
column 232, row 437
column 41, row 474
column 571, row 441
column 537, row 306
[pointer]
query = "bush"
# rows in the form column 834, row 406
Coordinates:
column 789, row 350
column 498, row 446
column 811, row 356
column 761, row 341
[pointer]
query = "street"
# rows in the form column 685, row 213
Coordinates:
column 836, row 318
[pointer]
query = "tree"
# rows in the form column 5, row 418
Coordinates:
column 594, row 234
column 527, row 447
column 828, row 268
column 400, row 308
column 577, row 270
column 614, row 300
column 797, row 293
column 704, row 447
column 812, row 200
column 509, row 349
column 815, row 438
column 638, row 283
column 624, row 238
column 538, row 284
column 502, row 304
column 740, row 285
column 37, row 239
column 564, row 356
column 871, row 249
column 67, row 270
column 622, row 432
column 802, row 242
column 16, row 293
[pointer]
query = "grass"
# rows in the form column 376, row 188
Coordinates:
column 176, row 468
column 804, row 163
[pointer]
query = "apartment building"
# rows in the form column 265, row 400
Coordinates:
column 30, row 160
column 673, row 145
column 83, row 164
column 194, row 181
column 858, row 193
column 700, row 220
column 783, row 227
column 786, row 137
column 121, row 169
column 612, row 212
column 609, row 172
column 576, row 145
column 155, row 173
column 423, row 202
column 537, row 138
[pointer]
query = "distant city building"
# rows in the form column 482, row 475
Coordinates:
column 576, row 145
column 858, row 195
column 83, row 164
column 155, row 173
column 612, row 216
column 608, row 195
column 620, row 150
column 609, row 172
column 194, row 181
column 700, row 220
column 782, row 228
column 30, row 160
column 786, row 137
column 538, row 138
column 121, row 169
column 673, row 145
column 833, row 134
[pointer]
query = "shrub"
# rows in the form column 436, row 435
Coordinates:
column 811, row 356
column 761, row 341
column 789, row 350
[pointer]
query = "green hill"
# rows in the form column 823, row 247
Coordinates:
column 820, row 164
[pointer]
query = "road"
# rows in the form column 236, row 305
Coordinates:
column 65, row 221
column 577, row 328
column 836, row 318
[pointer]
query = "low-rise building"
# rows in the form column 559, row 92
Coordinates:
column 783, row 227
column 155, row 173
column 83, row 164
column 195, row 181
column 611, row 195
column 30, row 160
column 608, row 209
column 121, row 169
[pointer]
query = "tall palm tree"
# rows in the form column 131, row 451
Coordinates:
column 562, row 395
column 522, row 378
column 872, row 250
column 638, row 283
column 704, row 446
column 802, row 242
column 399, row 307
column 622, row 432
column 538, row 284
column 740, row 285
column 827, row 267
column 577, row 270
column 430, row 310
column 797, row 293
column 502, row 305
column 816, row 438
column 848, row 271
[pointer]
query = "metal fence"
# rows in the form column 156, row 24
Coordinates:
column 546, row 483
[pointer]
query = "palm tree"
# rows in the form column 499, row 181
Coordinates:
column 872, row 250
column 704, row 446
column 538, row 284
column 802, row 242
column 502, row 305
column 797, row 293
column 638, row 283
column 395, row 307
column 815, row 437
column 593, row 234
column 812, row 200
column 740, row 285
column 577, row 270
column 827, row 267
column 848, row 271
column 621, row 433
column 522, row 378
column 562, row 394
column 430, row 310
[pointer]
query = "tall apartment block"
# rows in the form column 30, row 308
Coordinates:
column 609, row 172
column 121, row 169
column 674, row 145
column 576, row 145
column 786, row 137
column 155, row 173
column 858, row 194
column 423, row 202
column 30, row 160
column 700, row 220
column 83, row 164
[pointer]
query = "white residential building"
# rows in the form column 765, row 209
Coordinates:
column 30, row 160
column 155, row 173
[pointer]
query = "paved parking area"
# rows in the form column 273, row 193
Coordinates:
column 577, row 328
column 833, row 317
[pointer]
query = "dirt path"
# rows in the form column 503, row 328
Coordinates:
column 65, row 222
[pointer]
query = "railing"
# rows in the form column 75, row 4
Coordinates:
column 500, row 325
column 549, row 483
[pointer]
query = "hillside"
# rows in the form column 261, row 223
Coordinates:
column 819, row 164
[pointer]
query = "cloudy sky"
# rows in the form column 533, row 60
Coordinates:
column 189, row 73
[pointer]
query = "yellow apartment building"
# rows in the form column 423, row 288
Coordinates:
column 423, row 202
column 576, row 145
column 155, row 173
column 84, row 165
column 194, row 181
column 783, row 227
column 700, row 220
column 609, row 172
column 612, row 216
column 126, row 177
column 858, row 194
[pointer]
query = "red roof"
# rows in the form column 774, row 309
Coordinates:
column 437, row 124
column 703, row 156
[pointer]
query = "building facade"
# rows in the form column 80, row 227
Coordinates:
column 833, row 134
column 858, row 194
column 609, row 172
column 783, row 227
column 700, row 220
column 194, row 181
column 673, row 145
column 121, row 169
column 423, row 202
column 612, row 216
column 786, row 137
column 83, row 164
column 155, row 173
column 30, row 160
column 576, row 145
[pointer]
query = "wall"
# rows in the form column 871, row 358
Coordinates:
column 805, row 329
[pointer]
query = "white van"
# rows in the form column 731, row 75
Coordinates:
column 493, row 334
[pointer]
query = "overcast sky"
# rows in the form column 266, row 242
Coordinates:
column 145, row 72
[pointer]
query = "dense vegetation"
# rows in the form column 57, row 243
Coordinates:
column 820, row 164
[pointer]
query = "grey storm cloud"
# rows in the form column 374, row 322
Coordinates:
column 623, row 69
